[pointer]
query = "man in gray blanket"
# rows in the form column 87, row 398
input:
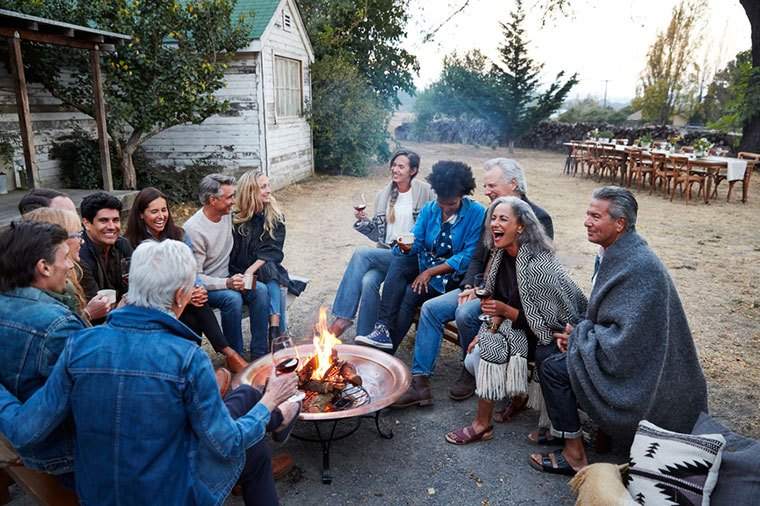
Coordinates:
column 632, row 357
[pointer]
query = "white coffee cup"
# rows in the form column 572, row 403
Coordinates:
column 407, row 239
column 110, row 295
column 248, row 281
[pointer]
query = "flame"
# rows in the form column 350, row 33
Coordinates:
column 324, row 341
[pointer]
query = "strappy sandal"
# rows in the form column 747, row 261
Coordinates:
column 553, row 463
column 544, row 437
column 467, row 435
column 511, row 410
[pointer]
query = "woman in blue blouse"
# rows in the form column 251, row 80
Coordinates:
column 446, row 233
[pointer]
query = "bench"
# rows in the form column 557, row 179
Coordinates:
column 44, row 488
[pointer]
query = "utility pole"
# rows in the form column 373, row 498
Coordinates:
column 604, row 104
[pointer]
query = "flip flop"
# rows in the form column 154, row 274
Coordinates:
column 553, row 463
column 282, row 435
column 467, row 435
column 511, row 410
column 545, row 438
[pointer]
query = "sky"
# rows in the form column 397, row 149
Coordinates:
column 601, row 40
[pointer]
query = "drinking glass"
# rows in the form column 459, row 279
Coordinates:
column 124, row 264
column 483, row 293
column 285, row 360
column 359, row 201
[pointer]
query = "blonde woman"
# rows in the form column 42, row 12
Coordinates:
column 73, row 297
column 259, row 234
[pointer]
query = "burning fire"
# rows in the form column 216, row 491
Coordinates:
column 324, row 341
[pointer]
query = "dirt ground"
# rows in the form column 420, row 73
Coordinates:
column 712, row 252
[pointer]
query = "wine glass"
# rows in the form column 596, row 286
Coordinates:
column 359, row 201
column 124, row 265
column 482, row 292
column 285, row 360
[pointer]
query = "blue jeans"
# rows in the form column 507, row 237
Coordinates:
column 277, row 303
column 435, row 313
column 230, row 303
column 361, row 283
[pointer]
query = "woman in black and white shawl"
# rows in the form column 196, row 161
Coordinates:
column 532, row 297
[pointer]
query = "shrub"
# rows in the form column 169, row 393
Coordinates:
column 179, row 186
column 79, row 155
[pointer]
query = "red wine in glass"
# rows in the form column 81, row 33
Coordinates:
column 287, row 366
column 482, row 292
column 360, row 207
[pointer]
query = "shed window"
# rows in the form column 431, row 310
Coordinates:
column 288, row 87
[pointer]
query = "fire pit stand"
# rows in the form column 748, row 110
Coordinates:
column 384, row 379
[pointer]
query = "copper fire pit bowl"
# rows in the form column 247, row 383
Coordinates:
column 384, row 377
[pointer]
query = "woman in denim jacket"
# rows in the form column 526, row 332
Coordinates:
column 35, row 323
column 396, row 209
column 151, row 427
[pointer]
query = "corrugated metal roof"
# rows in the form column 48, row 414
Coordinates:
column 261, row 10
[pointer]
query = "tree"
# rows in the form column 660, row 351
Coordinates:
column 589, row 110
column 725, row 103
column 521, row 104
column 666, row 79
column 167, row 75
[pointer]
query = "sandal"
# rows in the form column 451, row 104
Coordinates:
column 544, row 437
column 511, row 409
column 282, row 435
column 467, row 435
column 553, row 463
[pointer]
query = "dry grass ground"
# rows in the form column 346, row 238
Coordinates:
column 712, row 252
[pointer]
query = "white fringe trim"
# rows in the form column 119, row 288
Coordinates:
column 491, row 381
column 543, row 420
column 517, row 376
column 535, row 396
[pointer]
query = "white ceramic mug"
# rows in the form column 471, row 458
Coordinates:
column 248, row 281
column 109, row 294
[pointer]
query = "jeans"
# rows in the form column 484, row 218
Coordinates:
column 230, row 303
column 256, row 478
column 401, row 272
column 277, row 303
column 361, row 284
column 558, row 394
column 435, row 313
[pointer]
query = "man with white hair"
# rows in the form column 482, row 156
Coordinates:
column 150, row 425
column 210, row 230
column 503, row 178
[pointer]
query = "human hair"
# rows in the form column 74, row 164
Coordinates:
column 211, row 186
column 137, row 232
column 94, row 202
column 451, row 179
column 533, row 234
column 414, row 164
column 510, row 170
column 157, row 271
column 36, row 198
column 24, row 243
column 622, row 204
column 70, row 222
column 248, row 203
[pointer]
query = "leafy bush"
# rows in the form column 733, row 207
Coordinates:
column 179, row 186
column 79, row 155
column 347, row 119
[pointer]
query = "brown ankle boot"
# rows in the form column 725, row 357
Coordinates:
column 223, row 380
column 464, row 387
column 235, row 362
column 419, row 393
column 282, row 463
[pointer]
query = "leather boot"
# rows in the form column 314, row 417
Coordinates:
column 464, row 388
column 282, row 463
column 235, row 362
column 419, row 393
column 223, row 380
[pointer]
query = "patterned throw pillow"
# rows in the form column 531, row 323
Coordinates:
column 668, row 468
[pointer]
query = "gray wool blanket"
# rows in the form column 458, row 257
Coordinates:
column 633, row 356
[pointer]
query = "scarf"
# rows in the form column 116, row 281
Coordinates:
column 503, row 368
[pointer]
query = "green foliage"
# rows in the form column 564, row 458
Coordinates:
column 347, row 119
column 729, row 99
column 79, row 157
column 589, row 110
column 179, row 186
column 8, row 144
column 166, row 75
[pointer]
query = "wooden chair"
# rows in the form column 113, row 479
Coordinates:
column 753, row 159
column 662, row 173
column 44, row 488
column 686, row 176
column 639, row 167
column 576, row 158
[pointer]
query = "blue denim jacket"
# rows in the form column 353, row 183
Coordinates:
column 151, row 427
column 33, row 330
column 465, row 234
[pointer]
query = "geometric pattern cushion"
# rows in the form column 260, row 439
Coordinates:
column 668, row 468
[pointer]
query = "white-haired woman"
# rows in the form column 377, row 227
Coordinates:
column 531, row 297
column 161, row 434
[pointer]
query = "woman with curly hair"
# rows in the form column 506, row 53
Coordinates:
column 259, row 234
column 151, row 218
column 397, row 207
column 445, row 235
column 73, row 296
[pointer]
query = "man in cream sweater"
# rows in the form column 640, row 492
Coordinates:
column 210, row 230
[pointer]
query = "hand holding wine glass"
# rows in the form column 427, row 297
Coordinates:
column 483, row 293
column 359, row 201
column 285, row 360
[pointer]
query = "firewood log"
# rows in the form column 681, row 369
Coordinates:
column 348, row 371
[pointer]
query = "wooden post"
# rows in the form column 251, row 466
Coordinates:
column 24, row 114
column 100, row 120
